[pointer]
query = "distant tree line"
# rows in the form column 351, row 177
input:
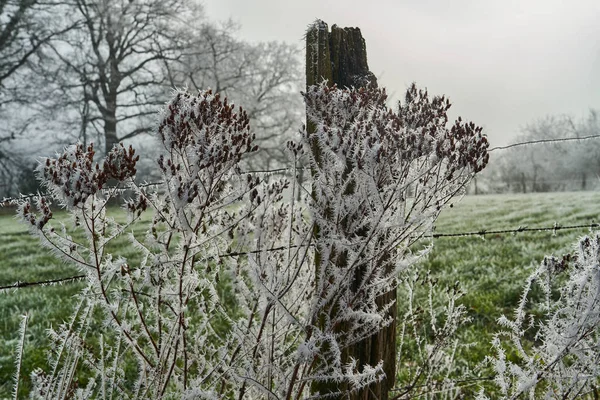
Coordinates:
column 98, row 70
column 547, row 167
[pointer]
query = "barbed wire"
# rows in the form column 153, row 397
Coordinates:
column 540, row 141
column 273, row 171
column 69, row 279
column 520, row 229
column 482, row 233
column 22, row 284
column 9, row 201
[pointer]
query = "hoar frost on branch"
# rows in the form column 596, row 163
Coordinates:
column 222, row 298
column 380, row 179
column 563, row 362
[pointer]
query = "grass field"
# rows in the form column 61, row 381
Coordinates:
column 491, row 269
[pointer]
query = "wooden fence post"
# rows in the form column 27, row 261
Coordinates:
column 340, row 57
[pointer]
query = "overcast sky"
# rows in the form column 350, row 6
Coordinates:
column 503, row 64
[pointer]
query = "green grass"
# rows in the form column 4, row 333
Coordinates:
column 24, row 259
column 490, row 269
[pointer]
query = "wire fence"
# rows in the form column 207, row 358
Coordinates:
column 49, row 282
column 7, row 201
column 485, row 232
column 545, row 141
column 480, row 233
column 11, row 201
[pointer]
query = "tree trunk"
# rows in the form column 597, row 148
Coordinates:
column 340, row 57
column 110, row 125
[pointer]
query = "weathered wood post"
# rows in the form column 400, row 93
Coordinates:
column 340, row 57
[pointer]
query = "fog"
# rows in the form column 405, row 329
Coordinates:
column 502, row 64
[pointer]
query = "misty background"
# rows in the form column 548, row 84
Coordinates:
column 503, row 64
column 98, row 71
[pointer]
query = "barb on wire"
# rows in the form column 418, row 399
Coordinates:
column 539, row 141
column 273, row 171
column 246, row 253
column 20, row 284
column 485, row 232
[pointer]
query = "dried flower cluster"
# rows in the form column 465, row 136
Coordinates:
column 211, row 127
column 74, row 176
column 462, row 145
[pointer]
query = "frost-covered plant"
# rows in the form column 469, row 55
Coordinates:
column 429, row 346
column 233, row 291
column 380, row 178
column 159, row 308
column 563, row 361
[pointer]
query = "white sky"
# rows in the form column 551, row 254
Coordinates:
column 503, row 64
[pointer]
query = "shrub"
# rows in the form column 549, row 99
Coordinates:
column 562, row 362
column 225, row 300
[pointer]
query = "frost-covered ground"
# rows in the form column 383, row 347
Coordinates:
column 491, row 269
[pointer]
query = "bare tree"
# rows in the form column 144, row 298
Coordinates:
column 553, row 164
column 103, row 79
column 27, row 28
column 270, row 92
column 110, row 70
column 265, row 77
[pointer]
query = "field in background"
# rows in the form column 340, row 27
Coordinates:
column 491, row 270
